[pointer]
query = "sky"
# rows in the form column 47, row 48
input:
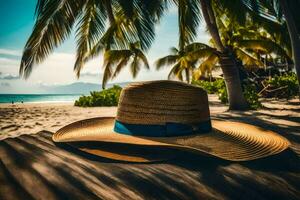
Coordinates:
column 16, row 23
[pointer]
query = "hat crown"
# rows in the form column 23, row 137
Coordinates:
column 161, row 102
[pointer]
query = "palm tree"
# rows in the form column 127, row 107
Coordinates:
column 292, row 18
column 287, row 14
column 184, row 61
column 181, row 58
column 247, row 43
column 227, row 60
column 129, row 21
column 134, row 19
column 116, row 60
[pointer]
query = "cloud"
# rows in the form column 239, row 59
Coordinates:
column 8, row 76
column 10, row 52
column 9, row 62
column 91, row 75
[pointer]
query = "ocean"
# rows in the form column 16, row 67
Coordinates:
column 18, row 98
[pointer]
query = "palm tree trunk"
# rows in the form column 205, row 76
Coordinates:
column 236, row 98
column 294, row 36
column 187, row 74
column 233, row 83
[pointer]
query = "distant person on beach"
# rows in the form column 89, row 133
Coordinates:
column 12, row 102
column 22, row 102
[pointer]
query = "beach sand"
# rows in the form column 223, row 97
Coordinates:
column 32, row 167
column 30, row 118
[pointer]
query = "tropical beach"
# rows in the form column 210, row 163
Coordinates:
column 179, row 99
column 188, row 176
column 32, row 118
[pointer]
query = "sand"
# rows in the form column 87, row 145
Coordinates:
column 30, row 118
column 32, row 167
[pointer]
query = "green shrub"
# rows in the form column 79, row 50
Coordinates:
column 218, row 87
column 214, row 87
column 289, row 84
column 107, row 97
column 251, row 95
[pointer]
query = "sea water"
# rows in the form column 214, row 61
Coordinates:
column 19, row 98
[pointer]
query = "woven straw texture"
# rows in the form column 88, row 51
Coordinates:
column 159, row 102
column 229, row 140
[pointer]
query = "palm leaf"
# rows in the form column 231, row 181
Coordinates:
column 167, row 60
column 247, row 59
column 121, row 65
column 114, row 56
column 264, row 45
column 135, row 66
column 107, row 74
column 174, row 50
column 201, row 53
column 208, row 64
column 196, row 46
column 54, row 23
column 142, row 57
column 174, row 71
column 89, row 30
column 189, row 16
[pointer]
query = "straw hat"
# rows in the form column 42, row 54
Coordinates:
column 168, row 115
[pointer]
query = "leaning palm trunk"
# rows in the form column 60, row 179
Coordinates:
column 228, row 64
column 294, row 36
column 233, row 83
column 187, row 74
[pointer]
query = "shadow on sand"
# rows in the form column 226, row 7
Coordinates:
column 32, row 167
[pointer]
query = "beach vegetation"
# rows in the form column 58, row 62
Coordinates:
column 218, row 87
column 106, row 97
column 282, row 86
column 287, row 14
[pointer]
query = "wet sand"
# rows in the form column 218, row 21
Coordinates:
column 32, row 167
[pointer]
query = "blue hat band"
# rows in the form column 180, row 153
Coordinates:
column 170, row 129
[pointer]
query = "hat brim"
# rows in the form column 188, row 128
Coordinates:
column 232, row 141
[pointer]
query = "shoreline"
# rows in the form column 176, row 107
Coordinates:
column 37, row 102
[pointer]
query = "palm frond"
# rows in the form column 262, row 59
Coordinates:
column 267, row 46
column 114, row 56
column 196, row 46
column 174, row 50
column 247, row 59
column 89, row 30
column 142, row 57
column 167, row 60
column 128, row 7
column 201, row 53
column 121, row 65
column 178, row 71
column 208, row 64
column 154, row 8
column 189, row 16
column 54, row 23
column 174, row 72
column 107, row 74
column 235, row 9
column 135, row 66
